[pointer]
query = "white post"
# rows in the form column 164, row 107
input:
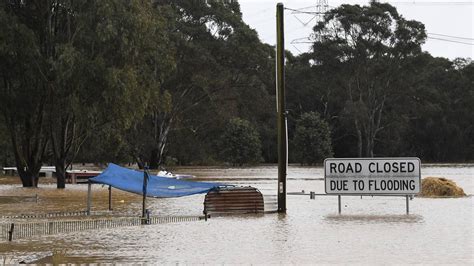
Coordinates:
column 339, row 203
column 408, row 204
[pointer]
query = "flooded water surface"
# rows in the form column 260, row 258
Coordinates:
column 372, row 230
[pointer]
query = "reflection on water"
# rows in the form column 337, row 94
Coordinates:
column 365, row 219
column 370, row 230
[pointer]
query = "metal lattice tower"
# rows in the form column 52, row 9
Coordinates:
column 307, row 16
column 321, row 7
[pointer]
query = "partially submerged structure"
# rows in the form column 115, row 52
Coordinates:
column 156, row 186
column 233, row 200
column 145, row 184
column 220, row 198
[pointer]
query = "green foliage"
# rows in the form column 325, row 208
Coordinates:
column 240, row 143
column 91, row 64
column 312, row 139
column 366, row 53
column 142, row 81
column 222, row 70
column 441, row 128
column 22, row 93
column 6, row 155
column 381, row 95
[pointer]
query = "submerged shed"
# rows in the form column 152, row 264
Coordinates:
column 233, row 200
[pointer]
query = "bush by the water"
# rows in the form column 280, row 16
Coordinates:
column 312, row 140
column 440, row 187
column 240, row 143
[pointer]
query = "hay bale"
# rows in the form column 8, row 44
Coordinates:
column 440, row 187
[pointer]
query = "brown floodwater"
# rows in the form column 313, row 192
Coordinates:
column 372, row 230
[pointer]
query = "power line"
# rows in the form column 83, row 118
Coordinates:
column 292, row 29
column 450, row 36
column 306, row 22
column 305, row 40
column 296, row 11
column 301, row 40
column 307, row 7
column 432, row 3
column 446, row 40
column 294, row 46
column 422, row 3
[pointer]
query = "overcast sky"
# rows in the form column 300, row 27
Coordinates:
column 441, row 18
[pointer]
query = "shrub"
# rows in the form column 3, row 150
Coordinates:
column 240, row 143
column 312, row 139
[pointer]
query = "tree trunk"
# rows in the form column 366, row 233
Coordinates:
column 60, row 174
column 28, row 163
column 29, row 176
column 359, row 140
column 161, row 138
column 154, row 159
column 370, row 147
column 27, row 180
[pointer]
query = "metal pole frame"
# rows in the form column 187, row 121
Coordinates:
column 89, row 197
column 408, row 204
column 281, row 110
column 110, row 198
column 145, row 186
column 339, row 207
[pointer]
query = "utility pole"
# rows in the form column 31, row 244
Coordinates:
column 281, row 110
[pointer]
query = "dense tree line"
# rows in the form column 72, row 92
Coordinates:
column 382, row 95
column 184, row 82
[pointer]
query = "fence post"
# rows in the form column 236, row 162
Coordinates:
column 147, row 216
column 110, row 198
column 10, row 233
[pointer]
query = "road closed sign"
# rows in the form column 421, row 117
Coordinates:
column 372, row 176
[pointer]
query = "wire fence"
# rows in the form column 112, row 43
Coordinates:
column 18, row 230
column 45, row 215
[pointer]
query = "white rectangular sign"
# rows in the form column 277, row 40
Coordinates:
column 372, row 176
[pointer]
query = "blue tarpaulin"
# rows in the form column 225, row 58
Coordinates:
column 159, row 187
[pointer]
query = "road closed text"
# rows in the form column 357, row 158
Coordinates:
column 372, row 176
column 372, row 167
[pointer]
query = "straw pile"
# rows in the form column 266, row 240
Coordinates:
column 440, row 187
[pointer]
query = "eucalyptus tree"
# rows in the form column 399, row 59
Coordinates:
column 369, row 50
column 94, row 65
column 197, row 76
column 441, row 125
column 214, row 51
column 107, row 69
column 23, row 92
